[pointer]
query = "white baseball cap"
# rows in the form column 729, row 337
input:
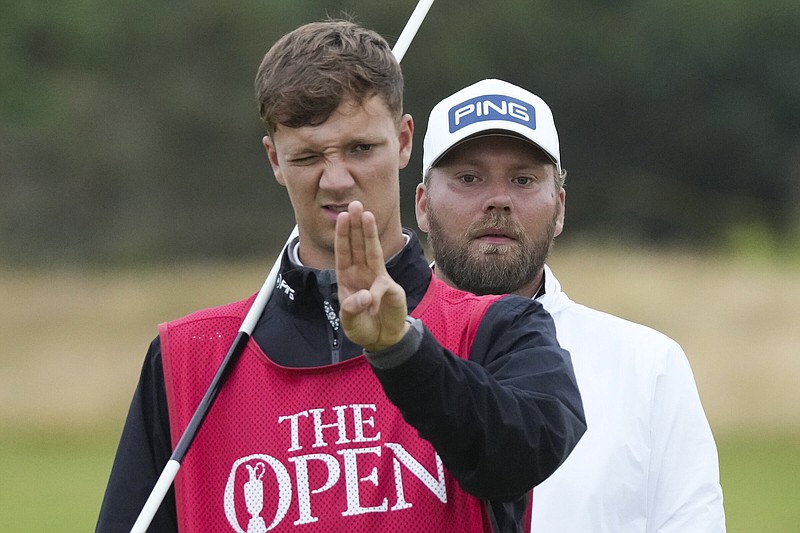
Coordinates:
column 489, row 107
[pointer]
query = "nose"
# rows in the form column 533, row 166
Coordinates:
column 498, row 199
column 336, row 176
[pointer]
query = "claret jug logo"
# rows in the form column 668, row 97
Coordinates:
column 491, row 107
column 328, row 465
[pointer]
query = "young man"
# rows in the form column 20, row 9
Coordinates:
column 492, row 201
column 344, row 413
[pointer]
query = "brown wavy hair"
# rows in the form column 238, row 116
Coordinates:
column 308, row 72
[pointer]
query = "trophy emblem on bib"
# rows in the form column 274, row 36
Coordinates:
column 254, row 497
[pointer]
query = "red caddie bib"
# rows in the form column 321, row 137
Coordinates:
column 309, row 449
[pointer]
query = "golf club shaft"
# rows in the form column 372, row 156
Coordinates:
column 172, row 467
column 410, row 30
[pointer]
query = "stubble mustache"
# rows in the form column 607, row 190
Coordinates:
column 502, row 225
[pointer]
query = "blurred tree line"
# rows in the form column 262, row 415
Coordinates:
column 129, row 130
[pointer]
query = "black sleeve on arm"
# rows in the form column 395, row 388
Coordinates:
column 503, row 420
column 143, row 451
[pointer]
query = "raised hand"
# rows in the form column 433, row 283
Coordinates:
column 372, row 307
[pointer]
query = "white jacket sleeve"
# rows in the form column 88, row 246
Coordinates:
column 684, row 492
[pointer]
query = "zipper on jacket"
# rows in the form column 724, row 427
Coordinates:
column 333, row 332
column 334, row 337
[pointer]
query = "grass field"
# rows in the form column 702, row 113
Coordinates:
column 73, row 342
column 55, row 481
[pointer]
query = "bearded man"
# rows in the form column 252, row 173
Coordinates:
column 492, row 201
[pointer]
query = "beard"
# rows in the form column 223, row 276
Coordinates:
column 491, row 268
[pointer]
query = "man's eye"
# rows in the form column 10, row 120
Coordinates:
column 364, row 147
column 522, row 180
column 303, row 160
column 469, row 178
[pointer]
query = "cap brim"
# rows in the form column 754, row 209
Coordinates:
column 492, row 133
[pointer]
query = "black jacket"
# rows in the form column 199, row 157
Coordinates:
column 501, row 421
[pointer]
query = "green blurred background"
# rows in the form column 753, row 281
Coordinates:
column 134, row 189
column 129, row 131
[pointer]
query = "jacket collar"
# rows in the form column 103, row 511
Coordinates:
column 300, row 288
column 553, row 299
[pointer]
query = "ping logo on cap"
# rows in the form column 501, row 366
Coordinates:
column 491, row 107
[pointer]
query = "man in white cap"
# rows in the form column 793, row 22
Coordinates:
column 492, row 201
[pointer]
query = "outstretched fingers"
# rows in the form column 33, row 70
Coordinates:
column 357, row 242
column 372, row 305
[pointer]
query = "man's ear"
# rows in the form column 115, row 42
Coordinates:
column 562, row 203
column 272, row 155
column 421, row 208
column 406, row 136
